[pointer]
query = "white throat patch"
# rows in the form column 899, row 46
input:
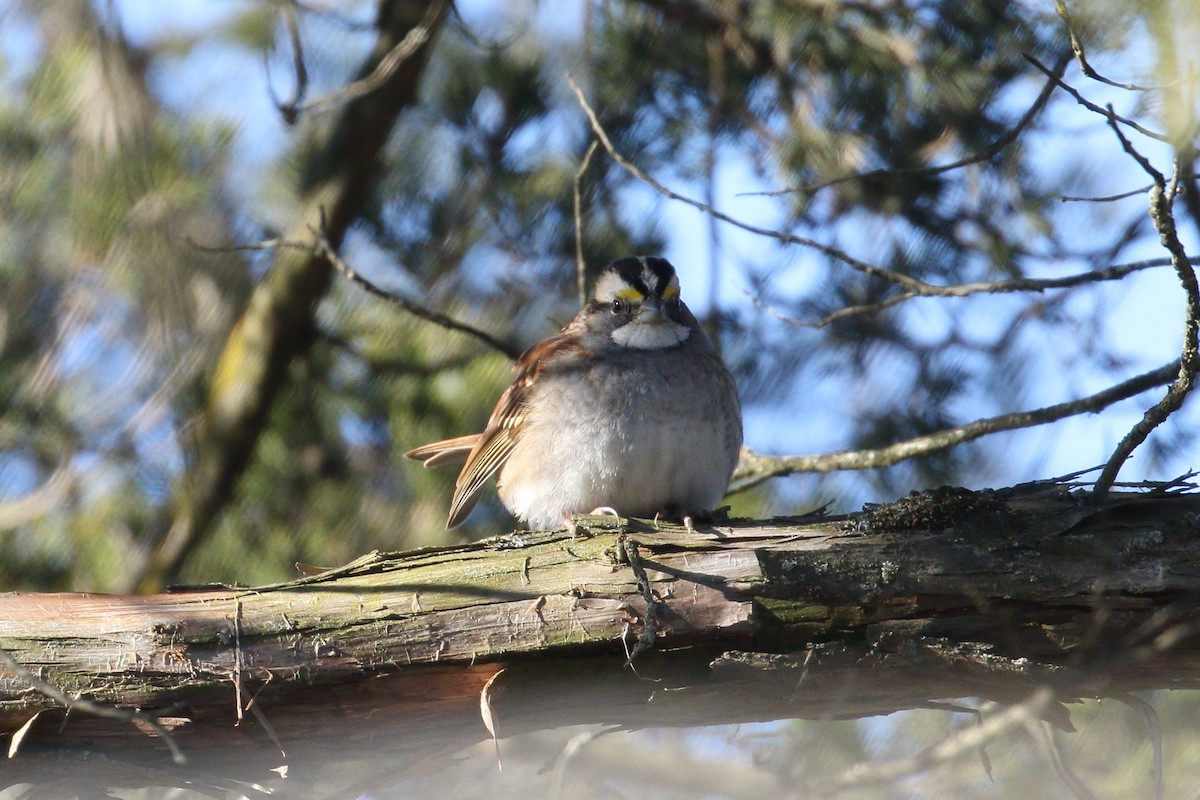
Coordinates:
column 650, row 335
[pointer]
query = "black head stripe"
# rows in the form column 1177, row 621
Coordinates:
column 662, row 270
column 633, row 271
column 630, row 270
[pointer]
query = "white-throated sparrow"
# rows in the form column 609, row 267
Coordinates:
column 628, row 406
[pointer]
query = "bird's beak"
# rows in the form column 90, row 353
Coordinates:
column 652, row 314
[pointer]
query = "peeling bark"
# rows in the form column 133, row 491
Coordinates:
column 944, row 594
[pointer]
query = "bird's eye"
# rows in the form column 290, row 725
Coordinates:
column 619, row 305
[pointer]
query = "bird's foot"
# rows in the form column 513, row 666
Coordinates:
column 570, row 524
column 689, row 518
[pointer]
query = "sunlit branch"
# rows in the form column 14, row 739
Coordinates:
column 787, row 238
column 753, row 468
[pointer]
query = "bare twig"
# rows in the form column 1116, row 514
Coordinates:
column 987, row 154
column 405, row 48
column 265, row 244
column 629, row 549
column 290, row 109
column 754, row 469
column 1115, row 272
column 1189, row 361
column 1088, row 104
column 1081, row 56
column 1111, row 117
column 580, row 265
column 325, row 248
column 464, row 29
column 322, row 246
column 787, row 238
column 135, row 716
column 1110, row 198
column 238, row 666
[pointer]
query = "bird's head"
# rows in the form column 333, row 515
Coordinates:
column 640, row 295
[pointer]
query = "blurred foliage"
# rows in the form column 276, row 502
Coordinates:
column 127, row 135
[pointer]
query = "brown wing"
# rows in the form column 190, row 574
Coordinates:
column 496, row 443
column 448, row 452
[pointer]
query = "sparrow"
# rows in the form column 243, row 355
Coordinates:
column 628, row 407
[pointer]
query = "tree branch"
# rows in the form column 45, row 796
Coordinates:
column 323, row 246
column 290, row 110
column 945, row 594
column 416, row 38
column 1189, row 362
column 787, row 238
column 580, row 264
column 1108, row 198
column 993, row 150
column 52, row 692
column 277, row 323
column 1077, row 48
column 1112, row 273
column 753, row 468
column 1089, row 105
